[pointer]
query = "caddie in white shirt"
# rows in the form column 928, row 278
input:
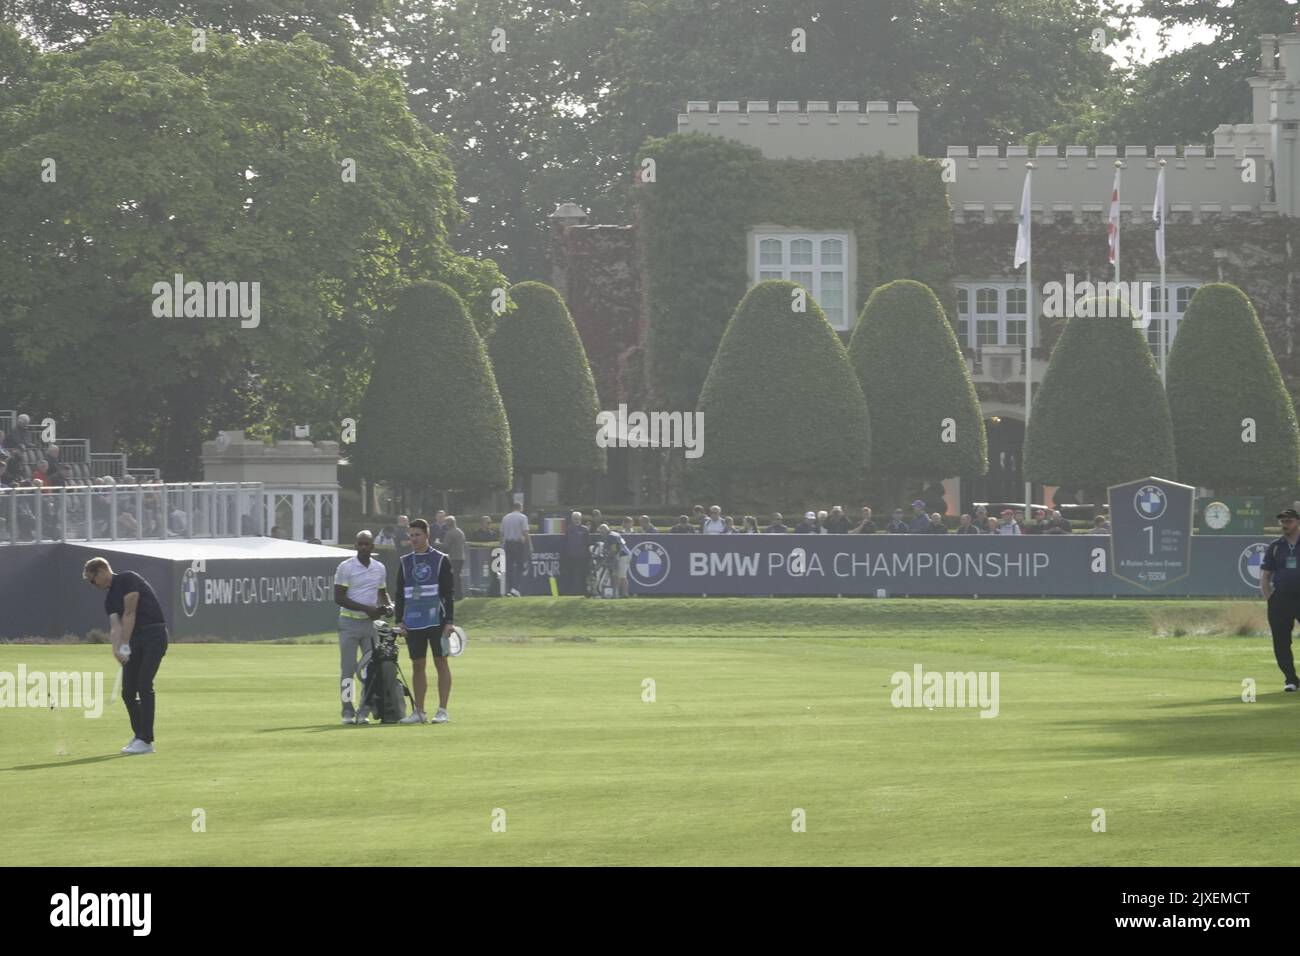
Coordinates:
column 361, row 592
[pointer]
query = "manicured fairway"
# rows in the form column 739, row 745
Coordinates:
column 761, row 707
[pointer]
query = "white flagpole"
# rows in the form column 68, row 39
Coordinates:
column 1119, row 215
column 1029, row 322
column 1164, row 291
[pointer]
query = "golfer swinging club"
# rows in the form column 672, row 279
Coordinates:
column 139, row 634
column 426, row 587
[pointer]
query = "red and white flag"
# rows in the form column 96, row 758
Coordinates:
column 1112, row 227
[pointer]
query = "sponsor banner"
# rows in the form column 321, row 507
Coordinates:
column 1078, row 565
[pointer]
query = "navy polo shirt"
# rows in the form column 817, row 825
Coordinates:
column 147, row 610
column 1285, row 580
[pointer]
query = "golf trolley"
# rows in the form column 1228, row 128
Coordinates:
column 602, row 570
column 384, row 690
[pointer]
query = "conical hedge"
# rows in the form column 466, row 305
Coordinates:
column 1100, row 416
column 914, row 378
column 1221, row 373
column 781, row 406
column 546, row 384
column 431, row 415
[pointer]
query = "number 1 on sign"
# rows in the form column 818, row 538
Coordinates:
column 1151, row 538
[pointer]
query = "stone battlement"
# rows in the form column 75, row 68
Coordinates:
column 1233, row 178
column 783, row 131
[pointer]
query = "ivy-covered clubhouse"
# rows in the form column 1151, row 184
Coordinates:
column 836, row 198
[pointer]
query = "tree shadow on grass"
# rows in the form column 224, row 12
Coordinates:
column 1267, row 728
column 64, row 763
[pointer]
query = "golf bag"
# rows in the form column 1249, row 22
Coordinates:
column 383, row 688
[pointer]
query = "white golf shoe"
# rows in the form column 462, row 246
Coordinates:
column 441, row 716
column 414, row 717
column 136, row 747
column 129, row 744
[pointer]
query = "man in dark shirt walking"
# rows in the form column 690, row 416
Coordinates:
column 139, row 634
column 1279, row 584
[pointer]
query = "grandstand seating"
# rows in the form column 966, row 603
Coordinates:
column 83, row 466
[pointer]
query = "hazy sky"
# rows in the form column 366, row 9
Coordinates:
column 1145, row 45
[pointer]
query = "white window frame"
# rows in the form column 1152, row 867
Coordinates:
column 1175, row 314
column 787, row 235
column 971, row 317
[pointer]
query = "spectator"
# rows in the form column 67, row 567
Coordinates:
column 967, row 526
column 18, row 438
column 178, row 521
column 697, row 517
column 1100, row 525
column 6, row 479
column 517, row 541
column 1036, row 524
column 1020, row 520
column 401, row 536
column 575, row 556
column 4, row 447
column 821, row 522
column 991, row 526
column 597, row 519
column 628, row 526
column 683, row 526
column 751, row 525
column 866, row 525
column 808, row 525
column 647, row 526
column 127, row 526
column 453, row 541
column 729, row 525
column 38, row 472
column 936, row 498
column 57, row 470
column 897, row 525
column 838, row 522
column 936, row 524
column 278, row 532
column 714, row 524
column 981, row 519
column 385, row 536
column 920, row 523
column 778, row 525
column 438, row 527
column 1062, row 523
column 483, row 533
column 1008, row 523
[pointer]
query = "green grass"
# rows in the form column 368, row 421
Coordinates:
column 762, row 706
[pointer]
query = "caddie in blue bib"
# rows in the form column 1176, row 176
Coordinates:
column 423, row 606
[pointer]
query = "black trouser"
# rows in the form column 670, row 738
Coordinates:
column 1283, row 609
column 148, row 645
column 516, row 557
column 573, row 573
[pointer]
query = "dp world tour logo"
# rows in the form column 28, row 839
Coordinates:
column 1150, row 501
column 190, row 592
column 649, row 564
column 1248, row 563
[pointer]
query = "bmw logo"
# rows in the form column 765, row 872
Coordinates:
column 422, row 571
column 190, row 592
column 1248, row 563
column 1150, row 501
column 649, row 567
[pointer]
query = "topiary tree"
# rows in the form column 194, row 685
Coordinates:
column 782, row 409
column 1221, row 374
column 1100, row 416
column 546, row 385
column 432, row 415
column 925, row 416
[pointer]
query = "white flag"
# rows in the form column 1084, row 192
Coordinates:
column 1112, row 228
column 1158, row 216
column 1022, row 233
